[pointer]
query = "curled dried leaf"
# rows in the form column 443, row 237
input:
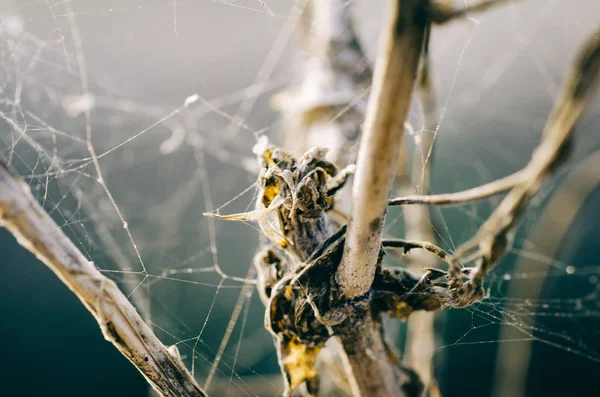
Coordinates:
column 251, row 215
column 297, row 361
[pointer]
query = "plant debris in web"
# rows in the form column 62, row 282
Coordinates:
column 297, row 267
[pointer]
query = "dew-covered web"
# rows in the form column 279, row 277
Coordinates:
column 131, row 118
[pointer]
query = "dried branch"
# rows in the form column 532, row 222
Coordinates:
column 477, row 193
column 326, row 109
column 119, row 321
column 442, row 290
column 381, row 142
column 408, row 245
column 334, row 284
column 491, row 240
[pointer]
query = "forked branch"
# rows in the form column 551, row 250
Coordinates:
column 491, row 240
column 121, row 324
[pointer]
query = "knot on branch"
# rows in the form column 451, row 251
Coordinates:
column 306, row 306
column 398, row 292
column 297, row 271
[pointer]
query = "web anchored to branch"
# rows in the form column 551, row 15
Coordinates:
column 332, row 289
column 123, row 160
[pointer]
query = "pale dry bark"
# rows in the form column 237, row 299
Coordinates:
column 327, row 110
column 498, row 186
column 381, row 142
column 394, row 78
column 109, row 243
column 119, row 321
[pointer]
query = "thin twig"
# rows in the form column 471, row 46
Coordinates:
column 477, row 193
column 408, row 245
column 120, row 323
column 491, row 240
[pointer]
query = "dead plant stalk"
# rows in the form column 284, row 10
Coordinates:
column 119, row 321
column 394, row 78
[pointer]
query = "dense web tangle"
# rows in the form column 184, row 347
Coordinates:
column 127, row 137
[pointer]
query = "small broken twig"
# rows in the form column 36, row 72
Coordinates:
column 408, row 245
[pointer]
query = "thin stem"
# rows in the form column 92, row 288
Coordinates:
column 408, row 245
column 477, row 193
column 491, row 239
column 120, row 323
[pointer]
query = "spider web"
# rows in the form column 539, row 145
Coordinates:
column 129, row 119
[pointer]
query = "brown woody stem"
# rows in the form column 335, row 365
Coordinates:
column 119, row 321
